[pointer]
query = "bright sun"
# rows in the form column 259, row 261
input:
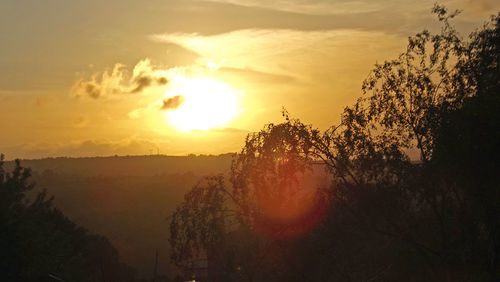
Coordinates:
column 207, row 104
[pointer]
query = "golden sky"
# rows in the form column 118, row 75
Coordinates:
column 87, row 78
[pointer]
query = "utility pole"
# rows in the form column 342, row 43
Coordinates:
column 156, row 265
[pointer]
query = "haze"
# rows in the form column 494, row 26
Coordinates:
column 96, row 78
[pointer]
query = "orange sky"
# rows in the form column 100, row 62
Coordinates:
column 86, row 78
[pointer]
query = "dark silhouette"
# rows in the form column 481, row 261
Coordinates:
column 39, row 243
column 126, row 198
column 386, row 213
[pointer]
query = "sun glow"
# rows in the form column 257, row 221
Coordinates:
column 207, row 104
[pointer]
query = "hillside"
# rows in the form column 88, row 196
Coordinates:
column 130, row 165
column 126, row 199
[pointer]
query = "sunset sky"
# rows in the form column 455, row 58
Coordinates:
column 97, row 78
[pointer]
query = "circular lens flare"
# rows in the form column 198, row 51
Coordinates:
column 293, row 218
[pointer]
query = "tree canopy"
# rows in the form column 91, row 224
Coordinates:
column 39, row 242
column 386, row 213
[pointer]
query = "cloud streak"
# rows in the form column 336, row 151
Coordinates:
column 316, row 7
column 267, row 54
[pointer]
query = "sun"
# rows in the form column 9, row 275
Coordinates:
column 207, row 104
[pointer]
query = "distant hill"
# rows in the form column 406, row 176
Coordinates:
column 131, row 165
column 125, row 198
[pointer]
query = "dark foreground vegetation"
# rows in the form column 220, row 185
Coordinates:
column 39, row 243
column 383, row 216
column 125, row 199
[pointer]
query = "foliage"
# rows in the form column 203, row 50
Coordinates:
column 204, row 209
column 268, row 174
column 395, row 216
column 37, row 240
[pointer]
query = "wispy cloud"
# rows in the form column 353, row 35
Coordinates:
column 229, row 130
column 325, row 6
column 282, row 53
column 337, row 7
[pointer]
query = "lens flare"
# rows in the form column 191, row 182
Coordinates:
column 293, row 209
column 298, row 220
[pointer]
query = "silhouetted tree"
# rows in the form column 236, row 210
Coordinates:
column 467, row 150
column 240, row 228
column 200, row 223
column 394, row 215
column 38, row 241
column 438, row 215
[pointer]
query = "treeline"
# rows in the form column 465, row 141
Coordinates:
column 39, row 243
column 121, row 166
column 383, row 216
column 125, row 199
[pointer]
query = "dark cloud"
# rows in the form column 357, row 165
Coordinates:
column 161, row 80
column 92, row 89
column 173, row 103
column 141, row 82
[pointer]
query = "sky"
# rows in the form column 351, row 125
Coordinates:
column 99, row 78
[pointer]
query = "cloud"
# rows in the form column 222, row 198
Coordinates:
column 316, row 7
column 144, row 81
column 92, row 89
column 281, row 55
column 229, row 130
column 106, row 83
column 222, row 16
column 141, row 82
column 117, row 81
column 223, row 130
column 410, row 8
column 173, row 103
column 251, row 75
column 162, row 80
